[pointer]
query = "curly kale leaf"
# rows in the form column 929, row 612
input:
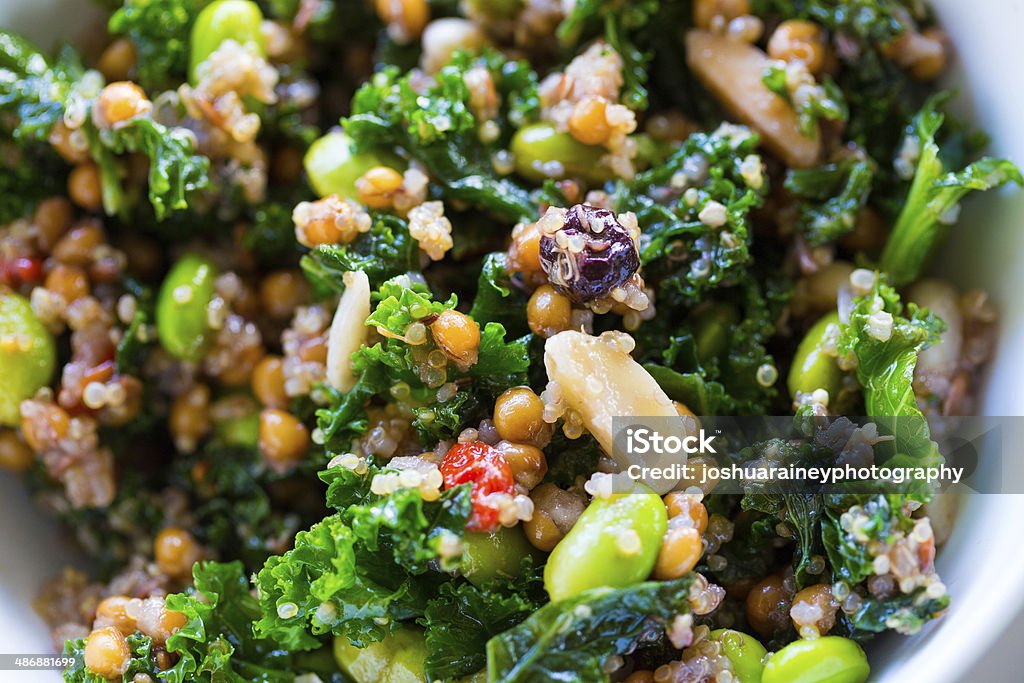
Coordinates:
column 34, row 89
column 933, row 200
column 437, row 127
column 833, row 195
column 572, row 639
column 175, row 173
column 870, row 21
column 140, row 662
column 362, row 570
column 159, row 31
column 26, row 178
column 497, row 299
column 386, row 251
column 885, row 369
column 685, row 256
column 463, row 617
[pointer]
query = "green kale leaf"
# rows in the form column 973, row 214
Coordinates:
column 140, row 661
column 160, row 33
column 833, row 196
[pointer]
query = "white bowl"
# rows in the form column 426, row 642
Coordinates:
column 982, row 564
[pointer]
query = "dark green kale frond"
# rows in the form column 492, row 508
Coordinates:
column 159, row 31
column 572, row 639
column 140, row 661
column 36, row 90
column 932, row 202
column 438, row 127
column 832, row 197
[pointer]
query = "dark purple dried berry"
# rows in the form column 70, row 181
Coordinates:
column 589, row 255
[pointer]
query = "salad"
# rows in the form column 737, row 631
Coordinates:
column 316, row 317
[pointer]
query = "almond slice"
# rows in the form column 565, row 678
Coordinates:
column 348, row 330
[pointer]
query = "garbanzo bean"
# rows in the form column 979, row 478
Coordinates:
column 528, row 463
column 175, row 551
column 548, row 312
column 112, row 611
column 588, row 123
column 46, row 429
column 117, row 61
column 107, row 653
column 283, row 291
column 119, row 102
column 458, row 335
column 52, row 219
column 524, row 253
column 70, row 282
column 268, row 382
column 768, row 606
column 798, row 40
column 283, row 439
column 15, row 454
column 377, row 187
column 814, row 611
column 519, row 417
column 406, row 19
column 679, row 503
column 705, row 12
column 84, row 186
column 189, row 419
column 679, row 553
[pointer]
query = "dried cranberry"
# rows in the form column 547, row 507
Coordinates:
column 589, row 255
column 489, row 473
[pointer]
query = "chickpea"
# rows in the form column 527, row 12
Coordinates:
column 107, row 653
column 189, row 420
column 518, row 417
column 524, row 253
column 118, row 102
column 798, row 40
column 679, row 503
column 458, row 335
column 680, row 551
column 707, row 13
column 548, row 312
column 112, row 611
column 528, row 463
column 283, row 439
column 377, row 187
column 814, row 611
column 588, row 123
column 768, row 606
column 869, row 232
column 555, row 511
column 52, row 219
column 84, row 186
column 641, row 676
column 15, row 454
column 118, row 60
column 77, row 246
column 406, row 19
column 72, row 145
column 268, row 382
column 70, row 282
column 283, row 291
column 175, row 551
column 932, row 59
column 443, row 37
column 154, row 619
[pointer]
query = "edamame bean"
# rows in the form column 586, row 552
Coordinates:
column 712, row 328
column 487, row 556
column 241, row 431
column 812, row 367
column 237, row 20
column 830, row 659
column 745, row 653
column 541, row 152
column 396, row 659
column 181, row 309
column 614, row 543
column 28, row 355
column 333, row 167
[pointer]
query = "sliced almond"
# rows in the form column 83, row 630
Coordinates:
column 348, row 330
column 599, row 380
column 732, row 71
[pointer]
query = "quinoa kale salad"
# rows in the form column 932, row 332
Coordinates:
column 315, row 316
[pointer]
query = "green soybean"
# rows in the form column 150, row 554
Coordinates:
column 745, row 653
column 541, row 152
column 614, row 543
column 333, row 166
column 237, row 20
column 712, row 328
column 243, row 431
column 813, row 368
column 181, row 308
column 396, row 659
column 488, row 556
column 28, row 355
column 830, row 659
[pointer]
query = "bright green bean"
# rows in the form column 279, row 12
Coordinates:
column 745, row 653
column 237, row 20
column 28, row 355
column 396, row 659
column 712, row 328
column 488, row 556
column 813, row 368
column 614, row 543
column 830, row 659
column 181, row 309
column 541, row 152
column 333, row 167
